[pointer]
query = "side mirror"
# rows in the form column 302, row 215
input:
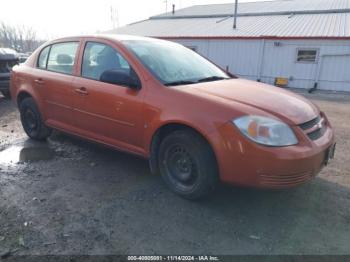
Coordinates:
column 119, row 77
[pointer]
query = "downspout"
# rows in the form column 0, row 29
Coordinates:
column 317, row 78
column 261, row 59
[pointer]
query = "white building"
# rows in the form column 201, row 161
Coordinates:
column 304, row 41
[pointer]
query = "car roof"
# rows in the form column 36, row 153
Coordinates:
column 113, row 37
column 8, row 54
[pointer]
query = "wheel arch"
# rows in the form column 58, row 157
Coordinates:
column 165, row 130
column 21, row 96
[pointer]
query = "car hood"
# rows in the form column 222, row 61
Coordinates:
column 273, row 100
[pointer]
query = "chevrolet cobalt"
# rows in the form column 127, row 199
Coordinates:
column 196, row 124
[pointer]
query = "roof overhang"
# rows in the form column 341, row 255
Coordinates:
column 302, row 12
column 252, row 38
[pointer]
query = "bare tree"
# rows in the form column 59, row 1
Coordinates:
column 20, row 38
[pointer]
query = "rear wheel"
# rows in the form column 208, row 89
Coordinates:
column 31, row 120
column 6, row 94
column 187, row 164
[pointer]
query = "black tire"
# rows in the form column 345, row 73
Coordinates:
column 31, row 120
column 187, row 164
column 6, row 94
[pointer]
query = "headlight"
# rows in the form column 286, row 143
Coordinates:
column 266, row 131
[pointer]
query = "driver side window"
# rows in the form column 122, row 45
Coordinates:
column 99, row 58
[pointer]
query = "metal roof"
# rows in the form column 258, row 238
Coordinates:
column 289, row 18
column 261, row 8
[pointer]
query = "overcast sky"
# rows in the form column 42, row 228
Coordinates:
column 56, row 18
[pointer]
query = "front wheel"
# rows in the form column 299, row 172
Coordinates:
column 31, row 120
column 187, row 164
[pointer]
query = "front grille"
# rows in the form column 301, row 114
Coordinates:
column 316, row 134
column 4, row 78
column 315, row 128
column 310, row 124
column 285, row 180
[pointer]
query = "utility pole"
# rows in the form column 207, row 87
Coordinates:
column 117, row 17
column 166, row 6
column 235, row 15
column 114, row 17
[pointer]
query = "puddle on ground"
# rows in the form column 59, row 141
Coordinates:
column 15, row 154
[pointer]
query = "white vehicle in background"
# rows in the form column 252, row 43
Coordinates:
column 8, row 59
column 22, row 57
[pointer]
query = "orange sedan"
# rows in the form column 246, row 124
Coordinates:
column 196, row 124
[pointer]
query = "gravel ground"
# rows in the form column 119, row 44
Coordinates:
column 86, row 199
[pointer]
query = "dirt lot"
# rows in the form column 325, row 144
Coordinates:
column 81, row 198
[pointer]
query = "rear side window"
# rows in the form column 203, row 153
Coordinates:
column 43, row 57
column 62, row 57
column 99, row 58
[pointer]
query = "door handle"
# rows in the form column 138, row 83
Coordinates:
column 81, row 91
column 39, row 81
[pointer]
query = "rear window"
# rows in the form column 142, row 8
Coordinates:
column 62, row 57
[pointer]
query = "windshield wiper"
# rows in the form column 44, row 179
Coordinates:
column 178, row 83
column 188, row 82
column 212, row 78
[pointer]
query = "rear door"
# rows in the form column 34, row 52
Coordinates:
column 107, row 112
column 53, row 80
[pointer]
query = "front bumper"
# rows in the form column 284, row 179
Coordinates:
column 243, row 162
column 4, row 85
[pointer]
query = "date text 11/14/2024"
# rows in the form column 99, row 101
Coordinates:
column 173, row 258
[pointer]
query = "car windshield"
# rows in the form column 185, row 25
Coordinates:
column 174, row 64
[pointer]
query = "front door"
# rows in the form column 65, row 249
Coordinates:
column 109, row 113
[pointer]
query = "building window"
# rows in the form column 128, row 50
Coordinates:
column 307, row 55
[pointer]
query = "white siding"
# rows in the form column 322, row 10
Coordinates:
column 228, row 53
column 243, row 59
column 335, row 73
column 241, row 63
